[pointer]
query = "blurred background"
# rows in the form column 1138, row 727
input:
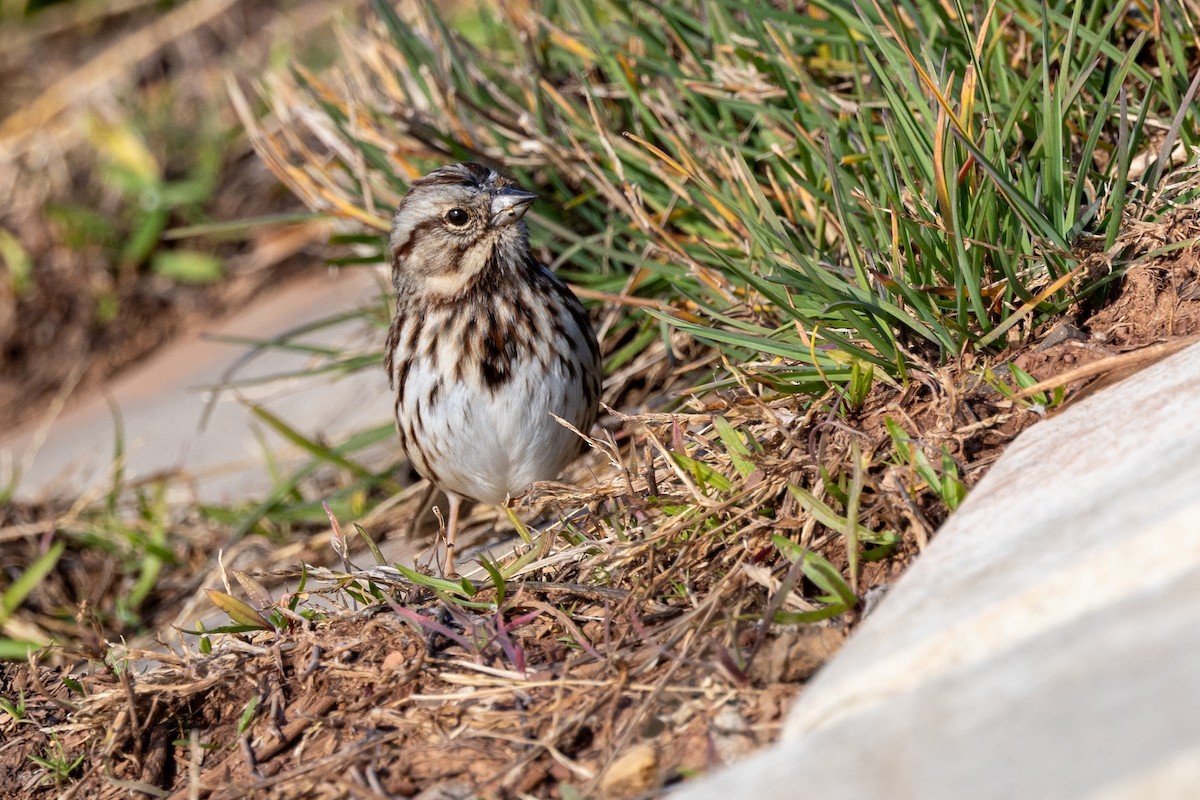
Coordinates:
column 120, row 157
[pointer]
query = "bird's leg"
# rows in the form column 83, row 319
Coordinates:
column 451, row 530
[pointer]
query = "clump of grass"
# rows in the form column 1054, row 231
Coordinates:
column 813, row 190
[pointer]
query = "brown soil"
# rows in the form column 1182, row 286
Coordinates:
column 1155, row 310
column 370, row 701
column 1159, row 298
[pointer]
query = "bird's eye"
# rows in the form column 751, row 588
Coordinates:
column 457, row 217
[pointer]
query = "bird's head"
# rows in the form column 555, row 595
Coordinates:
column 455, row 224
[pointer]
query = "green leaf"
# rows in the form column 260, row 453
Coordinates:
column 143, row 240
column 498, row 581
column 187, row 266
column 838, row 594
column 248, row 714
column 317, row 449
column 831, row 519
column 703, row 473
column 29, row 580
column 735, row 446
column 443, row 585
column 376, row 553
column 17, row 650
column 16, row 262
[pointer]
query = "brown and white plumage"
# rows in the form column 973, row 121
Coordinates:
column 486, row 344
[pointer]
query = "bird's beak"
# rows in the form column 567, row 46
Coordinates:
column 509, row 205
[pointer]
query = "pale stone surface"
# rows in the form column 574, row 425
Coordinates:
column 162, row 402
column 1046, row 645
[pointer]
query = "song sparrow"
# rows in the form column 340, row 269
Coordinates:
column 486, row 344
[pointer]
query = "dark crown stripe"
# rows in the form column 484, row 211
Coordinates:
column 466, row 174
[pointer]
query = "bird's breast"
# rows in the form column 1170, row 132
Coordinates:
column 477, row 393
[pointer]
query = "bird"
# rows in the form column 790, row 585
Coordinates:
column 487, row 344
